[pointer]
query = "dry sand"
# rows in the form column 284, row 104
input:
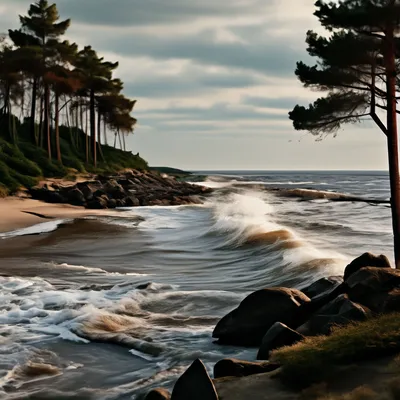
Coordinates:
column 14, row 212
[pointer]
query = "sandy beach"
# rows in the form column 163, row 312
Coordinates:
column 18, row 212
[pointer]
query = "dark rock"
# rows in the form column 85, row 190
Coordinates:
column 278, row 335
column 322, row 286
column 158, row 394
column 98, row 203
column 99, row 193
column 76, row 197
column 376, row 288
column 239, row 368
column 194, row 384
column 112, row 188
column 144, row 286
column 121, row 203
column 132, row 201
column 87, row 192
column 46, row 195
column 112, row 203
column 366, row 260
column 247, row 324
column 339, row 312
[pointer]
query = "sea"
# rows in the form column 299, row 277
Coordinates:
column 110, row 307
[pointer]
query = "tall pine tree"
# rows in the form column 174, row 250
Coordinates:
column 357, row 68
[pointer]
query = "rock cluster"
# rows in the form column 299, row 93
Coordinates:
column 130, row 189
column 274, row 317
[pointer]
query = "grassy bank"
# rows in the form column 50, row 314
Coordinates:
column 22, row 163
column 317, row 359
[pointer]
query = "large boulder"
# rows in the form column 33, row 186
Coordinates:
column 339, row 312
column 87, row 191
column 194, row 384
column 158, row 394
column 278, row 335
column 114, row 189
column 238, row 368
column 76, row 197
column 366, row 260
column 322, row 286
column 376, row 288
column 248, row 323
column 132, row 201
column 98, row 203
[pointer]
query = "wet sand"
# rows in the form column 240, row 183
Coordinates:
column 18, row 212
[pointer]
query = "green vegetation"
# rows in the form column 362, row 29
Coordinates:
column 317, row 359
column 67, row 101
column 357, row 70
column 23, row 164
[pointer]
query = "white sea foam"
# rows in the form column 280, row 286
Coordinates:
column 44, row 227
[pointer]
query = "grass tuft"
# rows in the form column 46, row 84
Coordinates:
column 318, row 358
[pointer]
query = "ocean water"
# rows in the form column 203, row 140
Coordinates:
column 108, row 308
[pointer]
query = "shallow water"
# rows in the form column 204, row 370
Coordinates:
column 108, row 308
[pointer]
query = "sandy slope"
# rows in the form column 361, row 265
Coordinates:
column 14, row 212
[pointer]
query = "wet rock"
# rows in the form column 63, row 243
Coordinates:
column 76, row 197
column 86, row 191
column 278, row 335
column 238, row 368
column 339, row 312
column 376, row 288
column 132, row 201
column 112, row 203
column 158, row 394
column 194, row 384
column 98, row 203
column 366, row 260
column 248, row 323
column 121, row 203
column 322, row 286
column 143, row 286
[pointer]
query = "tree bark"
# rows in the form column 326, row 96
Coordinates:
column 86, row 138
column 105, row 132
column 57, row 130
column 123, row 141
column 34, row 137
column 93, row 127
column 47, row 134
column 392, row 141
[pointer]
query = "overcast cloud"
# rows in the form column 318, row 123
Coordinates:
column 214, row 81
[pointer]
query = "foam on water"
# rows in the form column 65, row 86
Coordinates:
column 44, row 227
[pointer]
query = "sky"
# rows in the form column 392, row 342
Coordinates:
column 214, row 81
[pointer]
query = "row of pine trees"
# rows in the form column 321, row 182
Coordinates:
column 50, row 81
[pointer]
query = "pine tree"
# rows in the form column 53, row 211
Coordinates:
column 357, row 68
column 96, row 75
column 42, row 30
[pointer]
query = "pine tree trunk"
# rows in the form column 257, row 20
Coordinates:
column 392, row 141
column 93, row 127
column 34, row 138
column 123, row 141
column 57, row 130
column 47, row 134
column 41, row 141
column 86, row 138
column 99, row 128
column 105, row 133
column 119, row 140
column 115, row 140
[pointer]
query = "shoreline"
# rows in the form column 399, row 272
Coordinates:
column 19, row 212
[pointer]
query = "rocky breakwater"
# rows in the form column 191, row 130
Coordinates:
column 128, row 189
column 271, row 318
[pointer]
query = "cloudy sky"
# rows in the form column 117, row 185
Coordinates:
column 214, row 81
